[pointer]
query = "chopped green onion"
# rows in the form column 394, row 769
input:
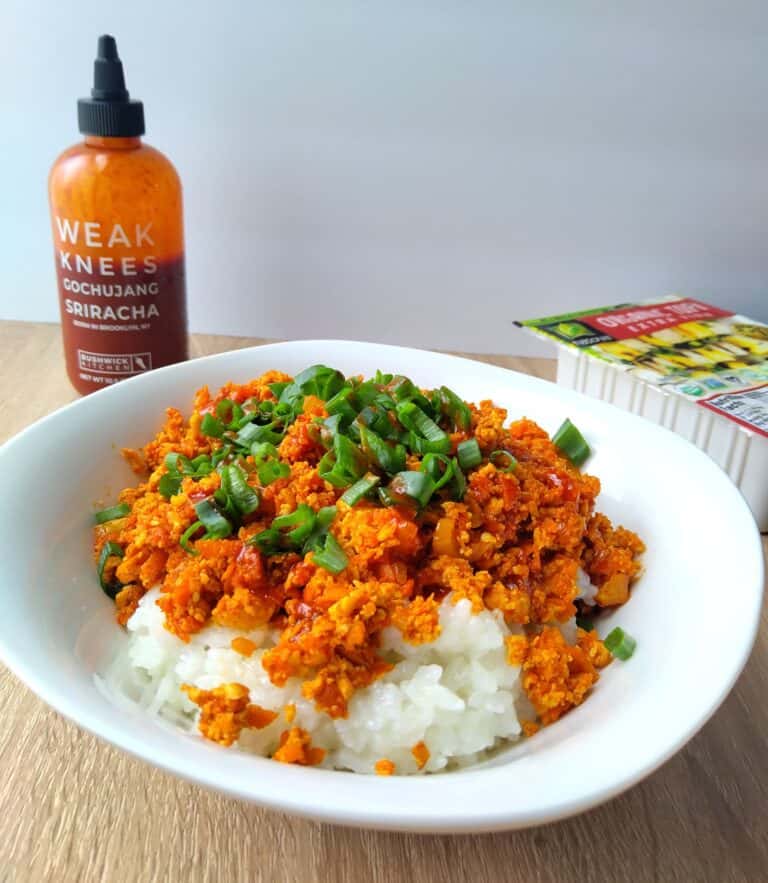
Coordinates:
column 340, row 405
column 175, row 462
column 348, row 456
column 459, row 481
column 110, row 514
column 245, row 497
column 425, row 435
column 255, row 432
column 571, row 443
column 388, row 498
column 329, row 428
column 584, row 622
column 330, row 555
column 320, row 381
column 369, row 393
column 216, row 525
column 109, row 550
column 405, row 390
column 469, row 454
column 503, row 461
column 302, row 526
column 293, row 397
column 226, row 505
column 377, row 419
column 211, row 426
column 187, row 536
column 268, row 541
column 297, row 526
column 455, row 409
column 431, row 465
column 263, row 451
column 325, row 516
column 416, row 485
column 390, row 458
column 323, row 520
column 344, row 465
column 229, row 412
column 360, row 489
column 201, row 465
column 620, row 644
column 220, row 454
column 169, row 484
column 270, row 470
column 281, row 412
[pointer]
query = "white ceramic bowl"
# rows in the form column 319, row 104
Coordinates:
column 694, row 612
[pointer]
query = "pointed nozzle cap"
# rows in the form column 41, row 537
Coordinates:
column 108, row 77
column 109, row 112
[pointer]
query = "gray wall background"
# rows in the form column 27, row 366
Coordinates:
column 412, row 172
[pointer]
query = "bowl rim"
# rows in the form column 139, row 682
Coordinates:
column 410, row 818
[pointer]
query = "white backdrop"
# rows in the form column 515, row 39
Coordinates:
column 412, row 172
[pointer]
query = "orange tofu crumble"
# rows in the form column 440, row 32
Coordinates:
column 420, row 754
column 384, row 767
column 296, row 747
column 225, row 711
column 243, row 646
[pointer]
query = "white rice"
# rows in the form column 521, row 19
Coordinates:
column 586, row 591
column 456, row 694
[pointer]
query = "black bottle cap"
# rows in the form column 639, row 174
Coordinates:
column 109, row 112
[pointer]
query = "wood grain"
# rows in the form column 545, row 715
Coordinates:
column 75, row 809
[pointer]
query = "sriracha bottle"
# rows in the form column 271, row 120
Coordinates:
column 118, row 235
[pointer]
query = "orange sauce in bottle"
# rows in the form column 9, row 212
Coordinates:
column 116, row 216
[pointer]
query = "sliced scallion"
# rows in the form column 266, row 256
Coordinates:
column 431, row 464
column 255, row 432
column 246, row 499
column 469, row 454
column 403, row 389
column 110, row 514
column 211, row 426
column 459, row 482
column 323, row 520
column 455, row 409
column 329, row 555
column 360, row 489
column 297, row 526
column 620, row 644
column 268, row 541
column 503, row 461
column 388, row 498
column 425, row 435
column 572, row 443
column 270, row 470
column 584, row 622
column 341, row 405
column 229, row 412
column 220, row 454
column 200, row 466
column 110, row 587
column 169, row 484
column 344, row 465
column 263, row 451
column 417, row 485
column 216, row 525
column 187, row 536
column 390, row 458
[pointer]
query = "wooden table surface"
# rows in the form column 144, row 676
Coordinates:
column 75, row 809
